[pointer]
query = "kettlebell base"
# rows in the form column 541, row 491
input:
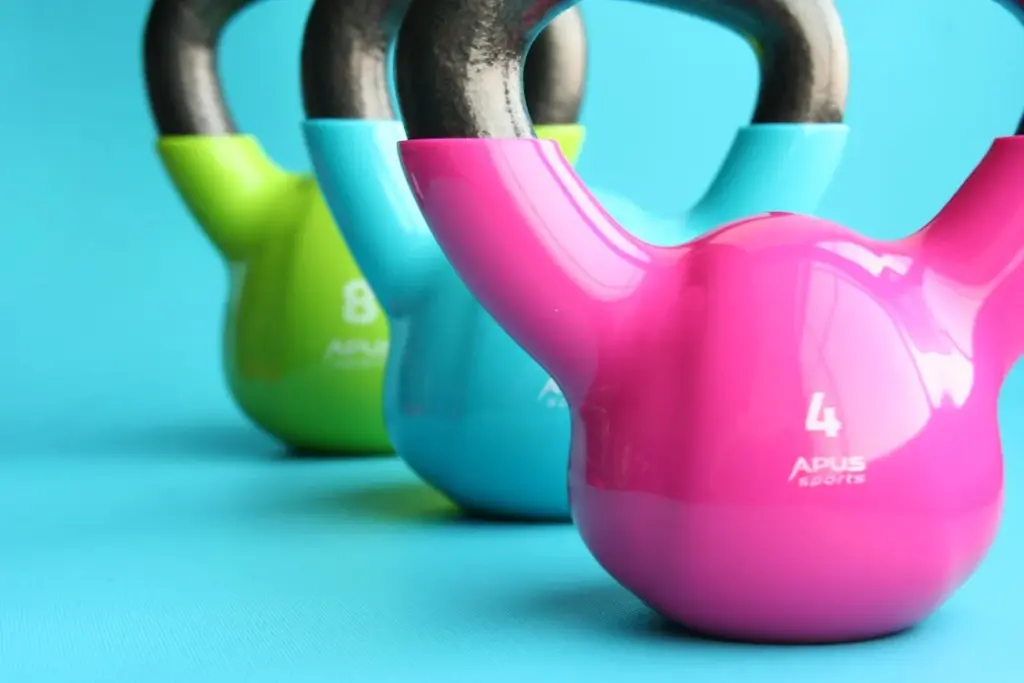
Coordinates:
column 306, row 448
column 507, row 517
column 491, row 467
column 490, row 513
column 780, row 636
column 335, row 424
column 797, row 574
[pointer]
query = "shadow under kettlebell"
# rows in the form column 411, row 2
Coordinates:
column 415, row 502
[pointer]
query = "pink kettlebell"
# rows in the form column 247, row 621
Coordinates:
column 782, row 430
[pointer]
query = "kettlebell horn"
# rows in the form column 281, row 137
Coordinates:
column 801, row 50
column 977, row 239
column 555, row 71
column 180, row 58
column 344, row 58
column 453, row 76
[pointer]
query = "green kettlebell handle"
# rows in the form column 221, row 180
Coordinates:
column 237, row 194
column 233, row 188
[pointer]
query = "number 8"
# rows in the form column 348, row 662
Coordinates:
column 359, row 306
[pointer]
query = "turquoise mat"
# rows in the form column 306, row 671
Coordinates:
column 149, row 555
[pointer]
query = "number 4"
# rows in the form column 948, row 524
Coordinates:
column 821, row 418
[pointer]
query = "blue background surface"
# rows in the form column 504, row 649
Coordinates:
column 147, row 533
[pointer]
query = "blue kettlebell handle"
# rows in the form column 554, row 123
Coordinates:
column 352, row 135
column 773, row 167
column 786, row 158
column 359, row 171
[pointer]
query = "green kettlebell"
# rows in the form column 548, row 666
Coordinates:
column 305, row 342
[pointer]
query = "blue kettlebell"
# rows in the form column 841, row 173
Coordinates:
column 465, row 406
column 467, row 409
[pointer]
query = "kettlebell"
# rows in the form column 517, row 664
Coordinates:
column 467, row 409
column 783, row 430
column 783, row 160
column 305, row 341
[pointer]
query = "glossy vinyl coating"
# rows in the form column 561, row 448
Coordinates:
column 305, row 342
column 459, row 61
column 782, row 430
column 466, row 408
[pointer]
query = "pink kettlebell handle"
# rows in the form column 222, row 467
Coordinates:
column 536, row 247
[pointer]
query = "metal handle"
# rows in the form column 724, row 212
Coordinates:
column 344, row 62
column 459, row 61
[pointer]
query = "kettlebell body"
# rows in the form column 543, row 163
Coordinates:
column 782, row 430
column 305, row 341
